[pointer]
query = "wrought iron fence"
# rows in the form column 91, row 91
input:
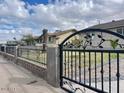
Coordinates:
column 92, row 60
column 2, row 48
column 10, row 50
column 34, row 54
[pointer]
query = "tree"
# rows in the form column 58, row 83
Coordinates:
column 28, row 39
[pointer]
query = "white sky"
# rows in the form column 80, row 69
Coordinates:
column 18, row 18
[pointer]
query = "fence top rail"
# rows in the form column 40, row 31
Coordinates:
column 31, row 48
column 95, row 50
column 27, row 47
column 10, row 46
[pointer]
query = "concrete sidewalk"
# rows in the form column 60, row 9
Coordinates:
column 15, row 79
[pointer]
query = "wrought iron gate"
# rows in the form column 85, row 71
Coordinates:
column 92, row 60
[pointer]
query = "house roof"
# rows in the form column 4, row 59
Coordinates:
column 109, row 25
column 58, row 33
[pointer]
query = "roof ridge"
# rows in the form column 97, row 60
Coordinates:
column 107, row 25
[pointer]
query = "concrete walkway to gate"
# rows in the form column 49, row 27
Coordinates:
column 15, row 79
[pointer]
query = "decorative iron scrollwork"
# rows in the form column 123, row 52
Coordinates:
column 88, row 41
column 73, row 89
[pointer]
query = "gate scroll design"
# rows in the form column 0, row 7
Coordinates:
column 90, row 60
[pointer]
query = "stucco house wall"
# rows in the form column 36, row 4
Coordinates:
column 111, row 26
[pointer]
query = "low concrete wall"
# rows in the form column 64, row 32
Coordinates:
column 8, row 56
column 50, row 72
column 34, row 67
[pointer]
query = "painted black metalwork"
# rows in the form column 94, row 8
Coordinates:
column 109, row 73
column 95, row 72
column 83, row 56
column 74, row 90
column 118, row 73
column 10, row 50
column 33, row 54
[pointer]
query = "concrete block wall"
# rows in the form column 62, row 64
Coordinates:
column 50, row 73
column 34, row 68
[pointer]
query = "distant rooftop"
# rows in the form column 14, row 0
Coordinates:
column 57, row 33
column 109, row 25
